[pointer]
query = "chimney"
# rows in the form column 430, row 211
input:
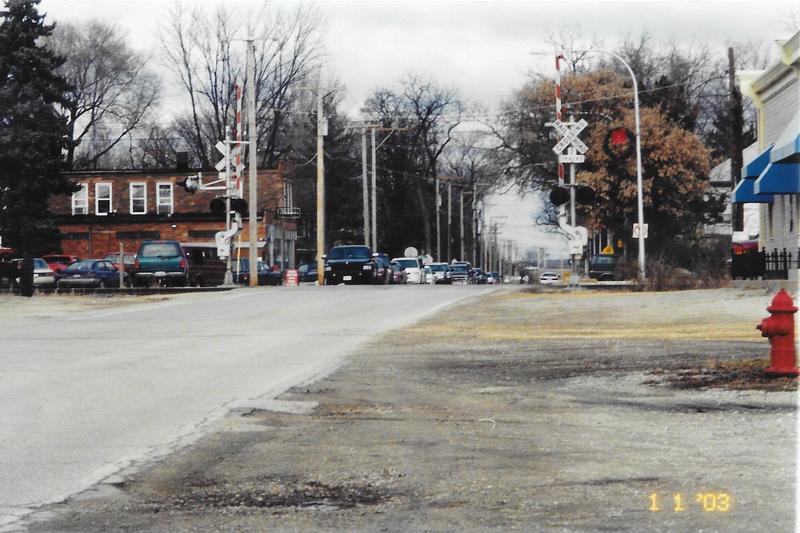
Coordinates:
column 182, row 160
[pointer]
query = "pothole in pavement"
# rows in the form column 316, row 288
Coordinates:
column 747, row 374
column 309, row 494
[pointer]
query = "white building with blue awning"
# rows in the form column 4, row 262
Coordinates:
column 772, row 178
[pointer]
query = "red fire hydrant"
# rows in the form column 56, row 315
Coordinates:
column 779, row 328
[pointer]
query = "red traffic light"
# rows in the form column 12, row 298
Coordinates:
column 618, row 143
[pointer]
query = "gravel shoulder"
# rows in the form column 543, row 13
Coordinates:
column 518, row 411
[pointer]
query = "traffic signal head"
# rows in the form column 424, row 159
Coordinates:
column 191, row 184
column 559, row 195
column 619, row 143
column 584, row 194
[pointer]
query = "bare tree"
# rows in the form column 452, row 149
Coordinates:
column 112, row 90
column 207, row 53
column 426, row 114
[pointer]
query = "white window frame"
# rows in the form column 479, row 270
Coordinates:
column 80, row 200
column 133, row 185
column 288, row 201
column 159, row 199
column 97, row 187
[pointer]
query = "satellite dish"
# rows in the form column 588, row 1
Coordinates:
column 410, row 252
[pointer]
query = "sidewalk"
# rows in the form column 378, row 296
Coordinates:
column 519, row 411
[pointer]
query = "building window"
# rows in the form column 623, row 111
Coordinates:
column 102, row 198
column 80, row 200
column 287, row 194
column 138, row 198
column 164, row 198
column 770, row 222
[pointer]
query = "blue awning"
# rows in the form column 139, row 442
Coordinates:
column 743, row 194
column 787, row 145
column 754, row 168
column 786, row 151
column 778, row 178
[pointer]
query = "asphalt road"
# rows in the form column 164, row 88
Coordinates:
column 88, row 391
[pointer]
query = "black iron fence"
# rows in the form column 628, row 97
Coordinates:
column 754, row 264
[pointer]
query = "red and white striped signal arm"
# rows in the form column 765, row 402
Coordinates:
column 559, row 57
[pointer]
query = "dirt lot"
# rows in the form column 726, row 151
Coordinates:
column 521, row 411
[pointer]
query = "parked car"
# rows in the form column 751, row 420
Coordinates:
column 160, row 262
column 129, row 260
column 461, row 272
column 266, row 276
column 57, row 263
column 493, row 278
column 94, row 273
column 441, row 273
column 413, row 269
column 43, row 275
column 307, row 272
column 383, row 268
column 603, row 267
column 549, row 278
column 399, row 276
column 349, row 264
column 205, row 268
column 479, row 276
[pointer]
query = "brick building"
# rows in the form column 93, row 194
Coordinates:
column 126, row 207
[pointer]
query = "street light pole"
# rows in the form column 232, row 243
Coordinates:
column 639, row 200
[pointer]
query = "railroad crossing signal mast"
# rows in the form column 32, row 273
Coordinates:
column 577, row 236
column 231, row 184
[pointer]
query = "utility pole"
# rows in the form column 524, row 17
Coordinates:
column 252, row 137
column 474, row 224
column 736, row 142
column 461, row 226
column 364, row 185
column 228, row 191
column 374, row 194
column 320, row 186
column 449, row 220
column 437, row 203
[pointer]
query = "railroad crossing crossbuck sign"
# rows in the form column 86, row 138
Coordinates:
column 569, row 139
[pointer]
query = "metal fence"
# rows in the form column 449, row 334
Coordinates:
column 754, row 264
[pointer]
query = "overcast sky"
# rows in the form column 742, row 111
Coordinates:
column 480, row 48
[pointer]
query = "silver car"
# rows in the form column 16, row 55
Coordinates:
column 43, row 275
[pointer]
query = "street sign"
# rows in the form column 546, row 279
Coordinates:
column 288, row 212
column 571, row 158
column 636, row 231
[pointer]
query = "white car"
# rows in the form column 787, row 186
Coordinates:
column 413, row 269
column 440, row 272
column 549, row 278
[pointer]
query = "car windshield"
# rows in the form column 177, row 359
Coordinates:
column 40, row 263
column 80, row 266
column 160, row 249
column 349, row 252
column 438, row 268
column 458, row 268
column 406, row 263
column 603, row 260
column 114, row 258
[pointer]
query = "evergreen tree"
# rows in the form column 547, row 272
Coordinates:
column 32, row 133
